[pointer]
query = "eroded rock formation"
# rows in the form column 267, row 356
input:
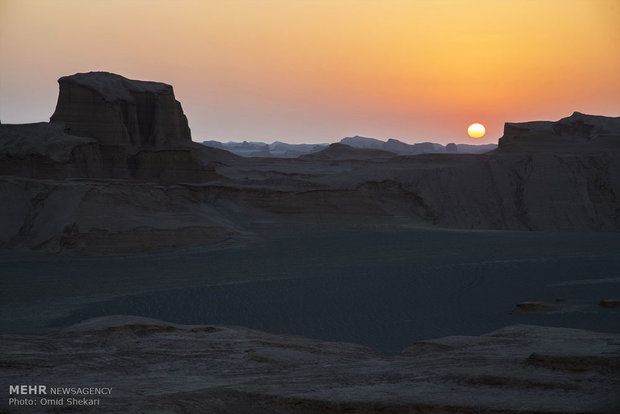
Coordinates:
column 118, row 111
column 108, row 126
column 576, row 133
column 549, row 176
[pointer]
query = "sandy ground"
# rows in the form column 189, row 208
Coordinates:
column 380, row 289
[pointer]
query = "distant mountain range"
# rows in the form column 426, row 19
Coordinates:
column 276, row 149
column 283, row 150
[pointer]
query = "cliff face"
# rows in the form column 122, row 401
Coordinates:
column 118, row 111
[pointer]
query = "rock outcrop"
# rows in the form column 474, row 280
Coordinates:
column 155, row 366
column 107, row 126
column 39, row 140
column 119, row 111
column 46, row 151
column 576, row 133
column 106, row 216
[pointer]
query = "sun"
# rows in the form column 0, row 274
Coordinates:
column 476, row 130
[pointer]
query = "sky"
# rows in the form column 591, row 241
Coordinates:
column 319, row 70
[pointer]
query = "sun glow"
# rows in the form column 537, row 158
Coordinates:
column 342, row 67
column 476, row 130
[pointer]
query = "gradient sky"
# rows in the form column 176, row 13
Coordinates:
column 320, row 70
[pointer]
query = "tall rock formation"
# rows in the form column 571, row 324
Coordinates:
column 121, row 112
column 108, row 126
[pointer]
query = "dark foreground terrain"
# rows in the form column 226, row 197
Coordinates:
column 380, row 298
column 158, row 367
column 381, row 289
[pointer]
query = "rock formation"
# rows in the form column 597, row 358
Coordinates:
column 39, row 140
column 155, row 366
column 552, row 176
column 119, row 111
column 576, row 133
column 107, row 126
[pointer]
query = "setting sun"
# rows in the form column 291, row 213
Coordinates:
column 476, row 130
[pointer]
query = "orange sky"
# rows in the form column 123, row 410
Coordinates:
column 319, row 70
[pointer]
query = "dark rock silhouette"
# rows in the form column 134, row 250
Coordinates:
column 576, row 133
column 108, row 126
column 119, row 111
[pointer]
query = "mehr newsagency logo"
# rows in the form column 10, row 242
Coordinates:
column 43, row 395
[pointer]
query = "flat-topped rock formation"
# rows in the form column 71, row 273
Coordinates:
column 120, row 111
column 576, row 133
column 155, row 366
column 108, row 126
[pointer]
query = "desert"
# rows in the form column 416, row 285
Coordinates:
column 358, row 276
